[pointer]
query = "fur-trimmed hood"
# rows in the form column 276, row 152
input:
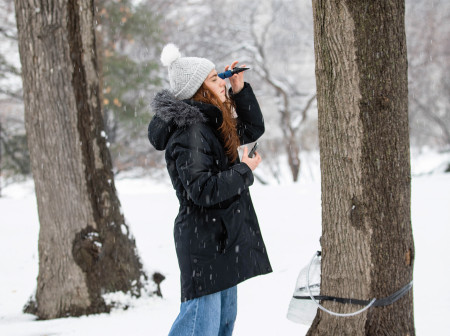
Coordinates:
column 172, row 114
column 178, row 112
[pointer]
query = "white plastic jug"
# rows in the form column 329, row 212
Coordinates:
column 304, row 310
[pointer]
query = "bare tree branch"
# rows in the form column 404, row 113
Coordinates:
column 16, row 95
column 435, row 118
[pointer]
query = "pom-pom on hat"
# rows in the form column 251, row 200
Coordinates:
column 186, row 74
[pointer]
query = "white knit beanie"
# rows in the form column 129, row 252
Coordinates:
column 186, row 74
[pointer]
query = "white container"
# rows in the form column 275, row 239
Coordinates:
column 304, row 310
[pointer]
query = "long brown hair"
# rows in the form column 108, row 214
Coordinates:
column 228, row 128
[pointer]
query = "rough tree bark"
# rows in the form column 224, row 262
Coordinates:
column 85, row 249
column 367, row 242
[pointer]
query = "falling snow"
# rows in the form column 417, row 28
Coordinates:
column 124, row 229
column 291, row 230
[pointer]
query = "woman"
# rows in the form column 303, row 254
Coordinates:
column 217, row 236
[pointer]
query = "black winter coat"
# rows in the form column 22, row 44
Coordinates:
column 217, row 236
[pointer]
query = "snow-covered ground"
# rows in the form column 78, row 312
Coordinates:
column 289, row 216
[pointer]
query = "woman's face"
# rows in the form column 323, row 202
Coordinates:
column 216, row 85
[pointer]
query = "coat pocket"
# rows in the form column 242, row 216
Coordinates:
column 233, row 219
column 208, row 235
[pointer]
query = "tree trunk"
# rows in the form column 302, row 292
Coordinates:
column 289, row 134
column 293, row 152
column 85, row 248
column 367, row 242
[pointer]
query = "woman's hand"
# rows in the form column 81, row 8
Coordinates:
column 237, row 80
column 251, row 162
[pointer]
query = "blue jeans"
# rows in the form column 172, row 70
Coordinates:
column 209, row 315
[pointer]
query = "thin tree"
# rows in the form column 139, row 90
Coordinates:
column 261, row 32
column 292, row 116
column 85, row 248
column 429, row 69
column 9, row 72
column 362, row 91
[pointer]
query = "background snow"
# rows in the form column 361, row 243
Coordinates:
column 289, row 216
